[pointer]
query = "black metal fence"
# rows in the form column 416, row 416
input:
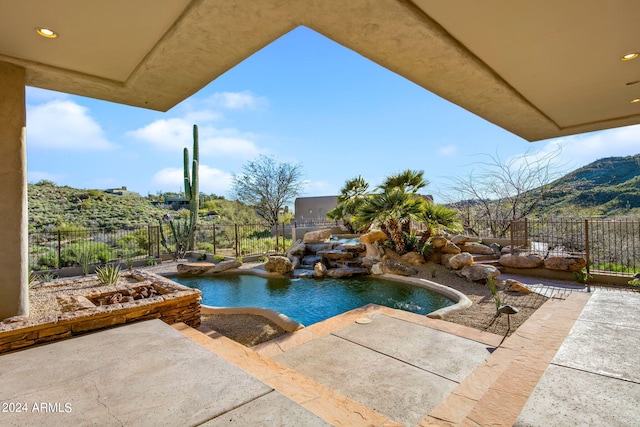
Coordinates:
column 83, row 246
column 610, row 246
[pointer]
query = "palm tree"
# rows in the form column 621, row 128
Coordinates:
column 437, row 217
column 352, row 196
column 388, row 209
column 409, row 181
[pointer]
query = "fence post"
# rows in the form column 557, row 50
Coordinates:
column 284, row 246
column 277, row 237
column 59, row 249
column 511, row 228
column 149, row 250
column 586, row 244
column 214, row 238
column 526, row 233
column 158, row 239
column 237, row 243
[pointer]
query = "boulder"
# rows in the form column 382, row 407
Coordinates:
column 373, row 236
column 569, row 263
column 436, row 256
column 298, row 249
column 295, row 261
column 515, row 286
column 225, row 265
column 496, row 248
column 463, row 239
column 522, row 261
column 278, row 264
column 438, row 242
column 476, row 248
column 373, row 250
column 450, row 248
column 351, row 248
column 317, row 236
column 413, row 258
column 367, row 262
column 346, row 272
column 444, row 260
column 312, row 248
column 319, row 270
column 456, row 262
column 195, row 267
column 390, row 266
column 335, row 255
column 310, row 260
column 377, row 269
column 478, row 272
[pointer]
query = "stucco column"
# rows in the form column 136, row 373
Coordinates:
column 14, row 261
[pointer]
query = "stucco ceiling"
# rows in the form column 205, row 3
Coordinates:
column 538, row 69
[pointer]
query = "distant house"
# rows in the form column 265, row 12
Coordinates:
column 309, row 209
column 122, row 191
column 173, row 202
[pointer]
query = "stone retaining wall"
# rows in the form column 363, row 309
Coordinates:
column 178, row 304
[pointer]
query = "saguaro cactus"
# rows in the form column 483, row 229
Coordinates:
column 184, row 234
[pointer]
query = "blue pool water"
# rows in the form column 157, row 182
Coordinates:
column 311, row 300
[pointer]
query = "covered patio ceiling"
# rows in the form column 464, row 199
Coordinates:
column 538, row 69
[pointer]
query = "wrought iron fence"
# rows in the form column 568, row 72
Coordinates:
column 83, row 246
column 610, row 246
column 240, row 240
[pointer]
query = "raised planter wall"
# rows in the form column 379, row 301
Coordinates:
column 178, row 304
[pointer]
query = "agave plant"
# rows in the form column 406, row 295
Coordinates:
column 108, row 274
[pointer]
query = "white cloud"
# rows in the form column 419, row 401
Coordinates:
column 212, row 180
column 63, row 124
column 237, row 100
column 447, row 150
column 580, row 150
column 175, row 133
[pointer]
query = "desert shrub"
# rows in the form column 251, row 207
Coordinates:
column 141, row 236
column 204, row 246
column 78, row 253
column 47, row 261
column 108, row 274
column 218, row 258
column 582, row 276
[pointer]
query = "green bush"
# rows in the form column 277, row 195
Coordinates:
column 203, row 246
column 91, row 252
column 108, row 274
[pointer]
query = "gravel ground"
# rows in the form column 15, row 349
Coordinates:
column 251, row 329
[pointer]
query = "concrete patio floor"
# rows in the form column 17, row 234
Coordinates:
column 571, row 363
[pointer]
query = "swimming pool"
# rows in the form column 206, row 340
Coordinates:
column 310, row 301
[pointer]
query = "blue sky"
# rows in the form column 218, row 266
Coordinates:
column 302, row 99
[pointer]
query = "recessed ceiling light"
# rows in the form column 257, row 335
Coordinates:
column 46, row 32
column 629, row 56
column 634, row 101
